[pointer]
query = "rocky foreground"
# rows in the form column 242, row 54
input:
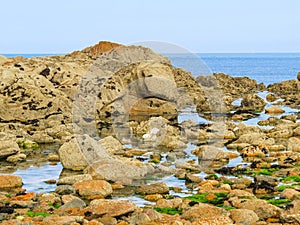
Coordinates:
column 131, row 97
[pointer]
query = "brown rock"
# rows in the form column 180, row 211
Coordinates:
column 93, row 189
column 70, row 180
column 296, row 131
column 53, row 157
column 169, row 203
column 298, row 76
column 16, row 158
column 252, row 102
column 10, row 181
column 62, row 220
column 94, row 222
column 294, row 144
column 202, row 210
column 153, row 198
column 217, row 220
column 25, row 197
column 295, row 207
column 271, row 97
column 289, row 193
column 139, row 218
column 7, row 148
column 110, row 207
column 156, row 188
column 243, row 216
column 263, row 209
column 274, row 110
column 101, row 47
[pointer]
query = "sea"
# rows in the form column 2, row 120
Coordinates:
column 267, row 68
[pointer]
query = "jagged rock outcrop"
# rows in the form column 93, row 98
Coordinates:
column 229, row 87
column 289, row 90
column 37, row 94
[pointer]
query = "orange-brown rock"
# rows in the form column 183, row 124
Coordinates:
column 110, row 207
column 10, row 181
column 93, row 189
column 25, row 197
column 101, row 47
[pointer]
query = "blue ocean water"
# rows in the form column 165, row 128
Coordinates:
column 266, row 68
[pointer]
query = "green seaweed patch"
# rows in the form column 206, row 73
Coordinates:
column 279, row 202
column 168, row 210
column 264, row 171
column 33, row 214
column 155, row 161
column 212, row 177
column 28, row 145
column 295, row 178
column 226, row 207
column 219, row 199
column 267, row 197
column 55, row 205
column 227, row 182
column 283, row 187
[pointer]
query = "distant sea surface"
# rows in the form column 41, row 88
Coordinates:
column 266, row 68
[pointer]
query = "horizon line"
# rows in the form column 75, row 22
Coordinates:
column 60, row 53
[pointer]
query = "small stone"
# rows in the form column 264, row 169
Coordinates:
column 153, row 198
column 169, row 203
column 156, row 188
column 50, row 181
column 298, row 76
column 74, row 179
column 65, row 190
column 139, row 218
column 93, row 189
column 24, row 197
column 53, row 158
column 16, row 158
column 110, row 207
column 274, row 110
column 243, row 216
column 177, row 189
column 192, row 178
column 74, row 203
column 270, row 97
column 202, row 210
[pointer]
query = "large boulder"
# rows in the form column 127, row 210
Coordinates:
column 83, row 152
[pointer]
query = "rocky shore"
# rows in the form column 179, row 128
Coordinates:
column 120, row 121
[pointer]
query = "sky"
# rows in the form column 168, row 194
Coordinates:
column 61, row 26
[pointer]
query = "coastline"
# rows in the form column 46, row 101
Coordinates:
column 38, row 96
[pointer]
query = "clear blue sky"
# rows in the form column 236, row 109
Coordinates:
column 59, row 26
